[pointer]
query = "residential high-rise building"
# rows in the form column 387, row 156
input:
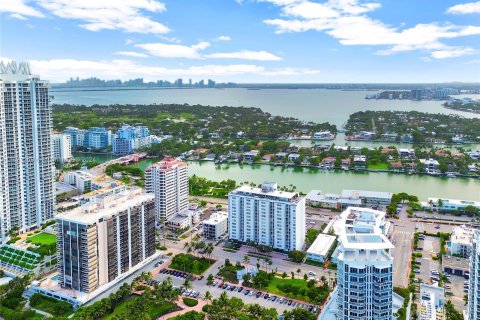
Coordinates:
column 364, row 277
column 105, row 239
column 62, row 147
column 267, row 216
column 168, row 180
column 26, row 153
column 474, row 288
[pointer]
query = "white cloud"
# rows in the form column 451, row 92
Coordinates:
column 19, row 9
column 245, row 55
column 163, row 50
column 346, row 20
column 223, row 38
column 98, row 15
column 58, row 70
column 132, row 54
column 18, row 16
column 465, row 8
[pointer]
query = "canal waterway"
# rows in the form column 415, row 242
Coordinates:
column 306, row 179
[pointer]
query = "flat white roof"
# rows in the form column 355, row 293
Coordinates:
column 461, row 235
column 216, row 217
column 283, row 195
column 322, row 244
column 456, row 202
column 104, row 206
column 346, row 193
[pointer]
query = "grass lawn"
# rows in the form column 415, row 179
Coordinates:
column 189, row 263
column 190, row 302
column 43, row 239
column 378, row 166
column 49, row 305
column 154, row 311
column 273, row 287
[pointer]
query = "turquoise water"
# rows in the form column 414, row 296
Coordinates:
column 320, row 105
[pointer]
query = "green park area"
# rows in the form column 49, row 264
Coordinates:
column 189, row 263
column 378, row 165
column 153, row 309
column 50, row 305
column 43, row 239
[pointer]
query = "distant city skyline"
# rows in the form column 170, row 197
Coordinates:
column 246, row 41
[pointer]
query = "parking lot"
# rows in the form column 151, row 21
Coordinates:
column 429, row 247
column 199, row 287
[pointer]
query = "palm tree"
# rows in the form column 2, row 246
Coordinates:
column 246, row 260
column 186, row 284
column 299, row 271
column 208, row 296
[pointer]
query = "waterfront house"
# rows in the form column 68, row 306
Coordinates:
column 210, row 157
column 387, row 150
column 293, row 156
column 406, row 138
column 346, row 163
column 406, row 154
column 323, row 135
column 430, row 165
column 328, row 162
column 250, row 155
column 360, row 162
column 410, row 167
column 396, row 167
column 268, row 157
column 389, row 136
column 281, row 155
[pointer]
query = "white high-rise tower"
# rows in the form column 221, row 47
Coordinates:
column 474, row 291
column 26, row 161
column 168, row 180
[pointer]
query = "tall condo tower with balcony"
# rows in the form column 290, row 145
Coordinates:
column 168, row 181
column 364, row 278
column 105, row 239
column 267, row 216
column 26, row 151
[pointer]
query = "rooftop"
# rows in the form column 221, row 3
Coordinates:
column 268, row 190
column 322, row 244
column 216, row 217
column 167, row 164
column 361, row 228
column 461, row 234
column 366, row 194
column 104, row 206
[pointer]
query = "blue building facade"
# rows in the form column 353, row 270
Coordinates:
column 92, row 138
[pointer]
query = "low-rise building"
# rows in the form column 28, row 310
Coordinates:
column 369, row 198
column 293, row 156
column 455, row 265
column 81, row 179
column 321, row 248
column 432, row 303
column 216, row 227
column 461, row 241
column 180, row 221
column 449, row 205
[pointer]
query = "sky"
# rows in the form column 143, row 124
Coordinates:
column 275, row 41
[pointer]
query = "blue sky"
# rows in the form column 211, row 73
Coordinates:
column 246, row 40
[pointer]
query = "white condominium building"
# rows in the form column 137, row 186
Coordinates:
column 26, row 153
column 105, row 239
column 62, row 147
column 474, row 291
column 267, row 216
column 432, row 303
column 216, row 227
column 168, row 180
column 364, row 278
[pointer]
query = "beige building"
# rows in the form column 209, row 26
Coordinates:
column 105, row 238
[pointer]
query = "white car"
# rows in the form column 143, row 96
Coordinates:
column 311, row 273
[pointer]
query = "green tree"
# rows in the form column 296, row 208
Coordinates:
column 296, row 256
column 299, row 314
